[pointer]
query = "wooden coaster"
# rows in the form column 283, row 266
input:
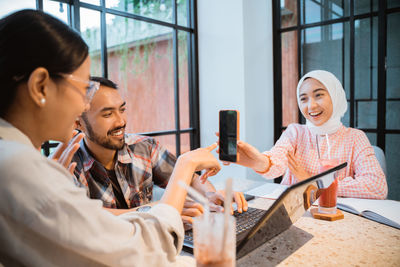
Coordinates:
column 327, row 217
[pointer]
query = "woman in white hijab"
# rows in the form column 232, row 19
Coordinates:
column 322, row 101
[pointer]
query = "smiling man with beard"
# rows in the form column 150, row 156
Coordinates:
column 120, row 169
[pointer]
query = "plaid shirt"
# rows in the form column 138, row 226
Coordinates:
column 363, row 176
column 141, row 162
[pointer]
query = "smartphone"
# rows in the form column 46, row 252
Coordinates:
column 228, row 135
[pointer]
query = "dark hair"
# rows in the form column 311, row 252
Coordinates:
column 104, row 82
column 30, row 39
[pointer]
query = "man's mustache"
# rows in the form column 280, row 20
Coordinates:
column 116, row 129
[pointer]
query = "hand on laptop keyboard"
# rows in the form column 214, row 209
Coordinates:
column 238, row 197
column 244, row 222
column 190, row 210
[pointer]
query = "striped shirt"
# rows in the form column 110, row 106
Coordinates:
column 362, row 178
column 141, row 163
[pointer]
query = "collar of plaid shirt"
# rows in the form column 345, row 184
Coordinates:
column 124, row 156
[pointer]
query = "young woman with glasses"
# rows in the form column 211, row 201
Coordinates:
column 45, row 220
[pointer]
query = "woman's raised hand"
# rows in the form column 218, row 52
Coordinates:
column 65, row 151
column 296, row 168
column 202, row 159
column 250, row 157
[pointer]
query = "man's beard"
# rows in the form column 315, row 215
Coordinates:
column 105, row 142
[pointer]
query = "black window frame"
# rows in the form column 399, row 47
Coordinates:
column 193, row 86
column 381, row 14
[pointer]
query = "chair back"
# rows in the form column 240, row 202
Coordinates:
column 380, row 155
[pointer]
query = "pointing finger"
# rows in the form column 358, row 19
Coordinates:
column 212, row 147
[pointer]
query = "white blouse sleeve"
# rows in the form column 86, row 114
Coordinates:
column 50, row 221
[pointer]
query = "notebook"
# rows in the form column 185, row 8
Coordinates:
column 382, row 211
column 259, row 226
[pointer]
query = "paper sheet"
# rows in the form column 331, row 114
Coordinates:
column 268, row 190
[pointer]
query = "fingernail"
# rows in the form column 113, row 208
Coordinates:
column 240, row 210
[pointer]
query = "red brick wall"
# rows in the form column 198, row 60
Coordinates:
column 145, row 76
column 290, row 74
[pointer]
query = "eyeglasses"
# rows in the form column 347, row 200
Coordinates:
column 91, row 86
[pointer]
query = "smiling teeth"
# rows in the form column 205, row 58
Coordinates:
column 315, row 113
column 117, row 133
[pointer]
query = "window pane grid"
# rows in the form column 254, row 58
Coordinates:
column 364, row 60
column 103, row 48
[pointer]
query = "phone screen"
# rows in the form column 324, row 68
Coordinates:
column 228, row 123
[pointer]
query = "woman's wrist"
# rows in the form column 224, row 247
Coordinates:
column 185, row 162
column 263, row 164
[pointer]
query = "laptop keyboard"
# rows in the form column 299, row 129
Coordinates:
column 244, row 221
column 248, row 219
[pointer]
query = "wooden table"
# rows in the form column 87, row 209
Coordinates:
column 352, row 241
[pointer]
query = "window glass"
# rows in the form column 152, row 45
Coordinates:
column 8, row 7
column 155, row 9
column 93, row 2
column 321, row 10
column 290, row 78
column 372, row 138
column 183, row 12
column 288, row 13
column 322, row 48
column 51, row 145
column 365, row 6
column 366, row 112
column 140, row 61
column 59, row 10
column 185, row 142
column 393, row 72
column 168, row 142
column 346, row 118
column 365, row 72
column 91, row 33
column 184, row 111
column 393, row 3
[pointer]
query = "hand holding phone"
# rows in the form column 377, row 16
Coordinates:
column 228, row 135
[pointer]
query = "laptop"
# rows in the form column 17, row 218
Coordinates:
column 257, row 226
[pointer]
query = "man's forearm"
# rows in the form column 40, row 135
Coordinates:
column 117, row 212
column 122, row 211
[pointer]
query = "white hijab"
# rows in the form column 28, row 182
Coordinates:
column 338, row 97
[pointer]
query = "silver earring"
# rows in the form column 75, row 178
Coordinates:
column 43, row 101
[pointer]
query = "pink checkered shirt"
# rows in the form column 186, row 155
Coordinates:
column 362, row 178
